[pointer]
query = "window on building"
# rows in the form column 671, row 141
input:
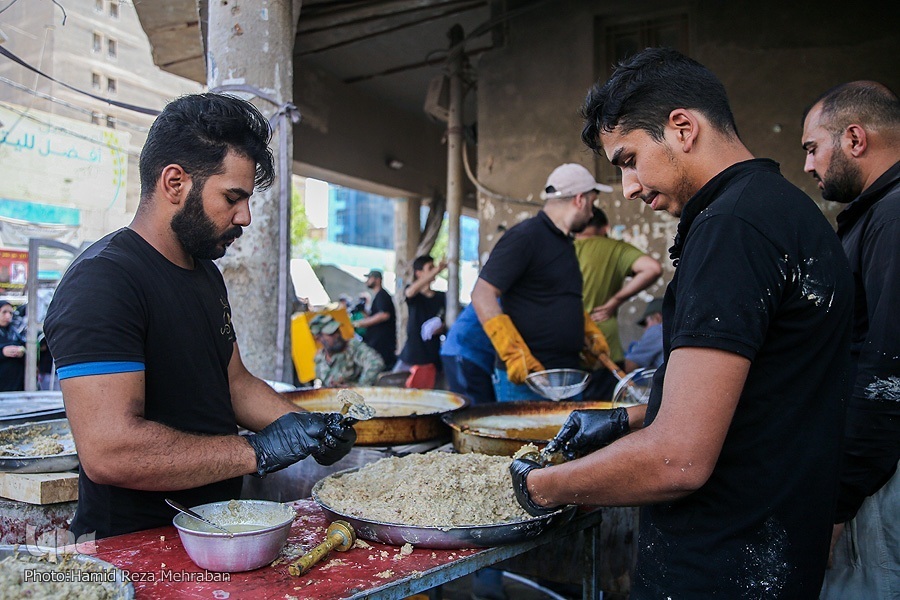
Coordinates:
column 114, row 9
column 618, row 39
column 96, row 118
column 112, row 48
column 110, row 121
column 98, row 5
column 95, row 81
column 97, row 43
column 110, row 85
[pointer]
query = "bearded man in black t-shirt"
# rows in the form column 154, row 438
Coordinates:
column 140, row 327
column 735, row 460
column 381, row 323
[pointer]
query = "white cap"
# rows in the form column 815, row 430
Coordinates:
column 569, row 180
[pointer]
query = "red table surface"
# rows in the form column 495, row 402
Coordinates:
column 160, row 568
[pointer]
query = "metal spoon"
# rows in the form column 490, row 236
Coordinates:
column 191, row 513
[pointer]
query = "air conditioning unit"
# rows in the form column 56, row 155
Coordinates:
column 437, row 98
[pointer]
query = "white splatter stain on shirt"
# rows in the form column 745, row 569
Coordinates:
column 765, row 569
column 884, row 389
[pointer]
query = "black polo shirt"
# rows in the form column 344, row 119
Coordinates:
column 536, row 270
column 761, row 274
column 869, row 229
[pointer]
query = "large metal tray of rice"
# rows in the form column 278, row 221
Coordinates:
column 433, row 500
column 42, row 447
column 53, row 575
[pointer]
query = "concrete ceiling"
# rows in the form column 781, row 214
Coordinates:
column 390, row 49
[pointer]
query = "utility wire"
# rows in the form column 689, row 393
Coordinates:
column 5, row 8
column 140, row 109
column 81, row 109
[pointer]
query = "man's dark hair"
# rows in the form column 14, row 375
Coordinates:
column 867, row 103
column 421, row 261
column 198, row 130
column 598, row 218
column 645, row 88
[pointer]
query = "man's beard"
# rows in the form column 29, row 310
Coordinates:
column 581, row 225
column 844, row 179
column 335, row 346
column 196, row 232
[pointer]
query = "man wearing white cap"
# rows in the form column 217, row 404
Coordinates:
column 533, row 272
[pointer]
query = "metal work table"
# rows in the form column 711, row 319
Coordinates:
column 160, row 568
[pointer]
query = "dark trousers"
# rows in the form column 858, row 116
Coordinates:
column 467, row 378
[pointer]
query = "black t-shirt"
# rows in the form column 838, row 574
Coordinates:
column 421, row 308
column 869, row 229
column 383, row 336
column 123, row 303
column 12, row 370
column 759, row 273
column 535, row 267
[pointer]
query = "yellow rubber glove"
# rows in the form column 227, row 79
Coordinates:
column 511, row 348
column 595, row 342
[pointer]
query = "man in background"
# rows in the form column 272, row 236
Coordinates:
column 533, row 270
column 647, row 352
column 851, row 136
column 424, row 323
column 613, row 272
column 381, row 324
column 340, row 362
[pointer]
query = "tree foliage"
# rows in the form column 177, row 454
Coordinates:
column 302, row 244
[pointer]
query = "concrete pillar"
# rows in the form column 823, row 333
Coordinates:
column 251, row 43
column 454, row 171
column 406, row 238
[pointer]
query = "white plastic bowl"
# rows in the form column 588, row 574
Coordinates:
column 214, row 550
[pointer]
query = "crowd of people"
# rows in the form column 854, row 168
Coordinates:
column 771, row 433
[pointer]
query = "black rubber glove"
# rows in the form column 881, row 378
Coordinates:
column 519, row 470
column 292, row 437
column 588, row 430
column 339, row 439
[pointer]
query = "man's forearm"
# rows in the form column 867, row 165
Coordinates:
column 373, row 319
column 151, row 456
column 485, row 301
column 256, row 404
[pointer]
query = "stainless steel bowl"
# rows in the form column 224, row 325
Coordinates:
column 445, row 538
column 213, row 550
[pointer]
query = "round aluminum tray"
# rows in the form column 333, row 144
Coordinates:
column 26, row 407
column 469, row 536
column 30, row 462
column 119, row 584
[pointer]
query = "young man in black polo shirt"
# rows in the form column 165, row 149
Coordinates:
column 534, row 272
column 736, row 460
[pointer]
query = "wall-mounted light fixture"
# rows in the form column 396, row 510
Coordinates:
column 394, row 163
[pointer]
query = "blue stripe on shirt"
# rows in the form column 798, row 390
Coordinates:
column 98, row 368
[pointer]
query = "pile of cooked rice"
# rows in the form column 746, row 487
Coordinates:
column 437, row 489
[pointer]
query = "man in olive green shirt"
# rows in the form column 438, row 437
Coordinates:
column 340, row 362
column 605, row 265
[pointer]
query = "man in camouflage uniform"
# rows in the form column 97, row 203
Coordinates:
column 341, row 362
